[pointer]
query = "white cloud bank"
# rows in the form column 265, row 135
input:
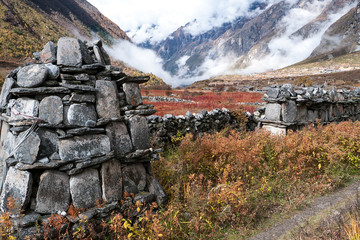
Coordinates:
column 157, row 19
column 143, row 59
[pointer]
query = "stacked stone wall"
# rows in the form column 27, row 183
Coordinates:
column 74, row 131
column 163, row 129
column 291, row 108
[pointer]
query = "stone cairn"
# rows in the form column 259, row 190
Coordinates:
column 74, row 131
column 290, row 108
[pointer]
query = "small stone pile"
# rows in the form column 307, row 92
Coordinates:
column 74, row 131
column 292, row 108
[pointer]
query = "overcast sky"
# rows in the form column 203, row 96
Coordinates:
column 137, row 17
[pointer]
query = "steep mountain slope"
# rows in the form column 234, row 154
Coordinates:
column 26, row 25
column 342, row 37
column 250, row 38
column 194, row 49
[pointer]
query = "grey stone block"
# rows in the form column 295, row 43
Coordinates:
column 48, row 142
column 5, row 91
column 28, row 150
column 48, row 54
column 83, row 115
column 134, row 178
column 85, row 188
column 111, row 180
column 119, row 138
column 53, row 70
column 133, row 93
column 98, row 55
column 23, row 108
column 82, row 98
column 83, row 147
column 108, row 105
column 289, row 111
column 139, row 132
column 69, row 52
column 301, row 114
column 51, row 110
column 54, row 192
column 17, row 185
column 273, row 112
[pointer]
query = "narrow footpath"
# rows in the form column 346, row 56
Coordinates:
column 324, row 207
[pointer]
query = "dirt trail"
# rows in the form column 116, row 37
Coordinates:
column 324, row 207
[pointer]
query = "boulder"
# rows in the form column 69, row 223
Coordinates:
column 85, row 189
column 51, row 110
column 18, row 185
column 111, row 180
column 32, row 75
column 273, row 92
column 69, row 52
column 107, row 105
column 54, row 192
column 83, row 147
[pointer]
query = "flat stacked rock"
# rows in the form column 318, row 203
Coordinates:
column 74, row 131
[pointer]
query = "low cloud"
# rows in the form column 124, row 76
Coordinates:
column 155, row 20
column 147, row 61
column 142, row 59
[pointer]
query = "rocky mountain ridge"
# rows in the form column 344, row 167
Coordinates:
column 248, row 38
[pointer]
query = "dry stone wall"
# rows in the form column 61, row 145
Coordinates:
column 163, row 129
column 74, row 131
column 291, row 108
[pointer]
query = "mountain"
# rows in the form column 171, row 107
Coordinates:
column 262, row 35
column 341, row 37
column 26, row 25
